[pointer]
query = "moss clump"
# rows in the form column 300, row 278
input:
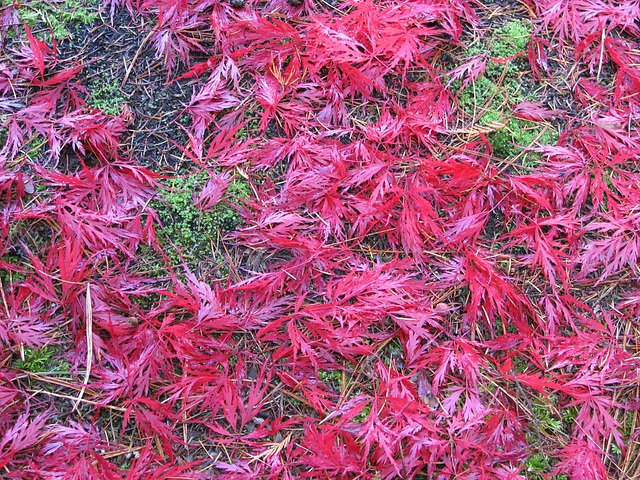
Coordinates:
column 59, row 16
column 190, row 229
column 106, row 97
column 510, row 40
column 332, row 378
column 9, row 277
column 252, row 123
column 507, row 41
column 40, row 360
column 540, row 464
column 551, row 422
column 489, row 101
column 518, row 133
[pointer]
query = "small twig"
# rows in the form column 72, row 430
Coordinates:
column 135, row 57
column 533, row 415
column 68, row 397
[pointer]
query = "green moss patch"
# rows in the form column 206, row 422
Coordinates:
column 193, row 231
column 489, row 101
column 41, row 360
column 59, row 16
column 106, row 96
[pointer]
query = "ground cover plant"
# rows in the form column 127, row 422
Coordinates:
column 319, row 239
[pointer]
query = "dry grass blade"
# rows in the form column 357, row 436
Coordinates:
column 89, row 334
column 6, row 309
column 135, row 58
column 475, row 131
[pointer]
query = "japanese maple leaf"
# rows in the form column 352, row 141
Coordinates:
column 335, row 453
column 469, row 71
column 292, row 115
column 549, row 252
column 617, row 247
column 174, row 36
column 581, row 462
column 212, row 99
column 537, row 56
column 534, row 111
column 212, row 192
column 9, row 18
column 39, row 52
column 93, row 131
column 25, row 433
